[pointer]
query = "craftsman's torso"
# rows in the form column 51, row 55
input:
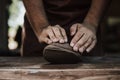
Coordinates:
column 66, row 12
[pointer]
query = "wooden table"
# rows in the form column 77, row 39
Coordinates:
column 36, row 68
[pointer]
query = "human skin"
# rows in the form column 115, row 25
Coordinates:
column 37, row 17
column 84, row 34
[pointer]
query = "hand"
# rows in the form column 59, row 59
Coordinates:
column 53, row 34
column 84, row 37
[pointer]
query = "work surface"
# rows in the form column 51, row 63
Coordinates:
column 36, row 68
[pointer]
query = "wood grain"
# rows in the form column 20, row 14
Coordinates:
column 36, row 68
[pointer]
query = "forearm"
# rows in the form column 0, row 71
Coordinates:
column 36, row 15
column 96, row 12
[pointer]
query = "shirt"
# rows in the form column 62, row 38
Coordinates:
column 66, row 12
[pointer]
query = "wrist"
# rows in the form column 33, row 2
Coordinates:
column 92, row 27
column 91, row 22
column 38, row 29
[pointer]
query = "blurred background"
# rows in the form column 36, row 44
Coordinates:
column 11, row 23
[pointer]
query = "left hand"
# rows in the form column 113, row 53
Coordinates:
column 84, row 37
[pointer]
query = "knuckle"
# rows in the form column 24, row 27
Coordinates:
column 47, row 41
column 56, row 29
column 53, row 27
column 86, row 45
column 52, row 37
column 77, row 35
column 89, row 41
column 63, row 32
column 64, row 35
column 63, row 29
column 78, row 26
column 49, row 27
column 74, row 40
column 58, row 26
column 81, row 42
column 48, row 30
column 72, row 28
column 77, row 45
column 59, row 35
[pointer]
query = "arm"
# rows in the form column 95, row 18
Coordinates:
column 96, row 11
column 36, row 15
column 85, row 33
column 40, row 25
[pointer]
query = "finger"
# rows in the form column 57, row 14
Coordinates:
column 58, row 34
column 88, row 43
column 47, row 40
column 85, row 46
column 64, row 34
column 73, row 29
column 81, row 50
column 81, row 42
column 51, row 35
column 76, row 38
column 91, row 46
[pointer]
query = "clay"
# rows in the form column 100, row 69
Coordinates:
column 61, row 53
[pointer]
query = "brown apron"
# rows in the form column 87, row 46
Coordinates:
column 62, row 12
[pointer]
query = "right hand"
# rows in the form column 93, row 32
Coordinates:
column 84, row 37
column 53, row 34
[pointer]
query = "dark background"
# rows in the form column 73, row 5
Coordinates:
column 110, row 29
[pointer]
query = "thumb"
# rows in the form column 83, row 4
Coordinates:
column 73, row 29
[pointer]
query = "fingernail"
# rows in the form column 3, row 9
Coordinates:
column 66, row 40
column 71, row 44
column 55, row 40
column 61, row 41
column 75, row 49
column 81, row 50
column 87, row 50
column 49, row 42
